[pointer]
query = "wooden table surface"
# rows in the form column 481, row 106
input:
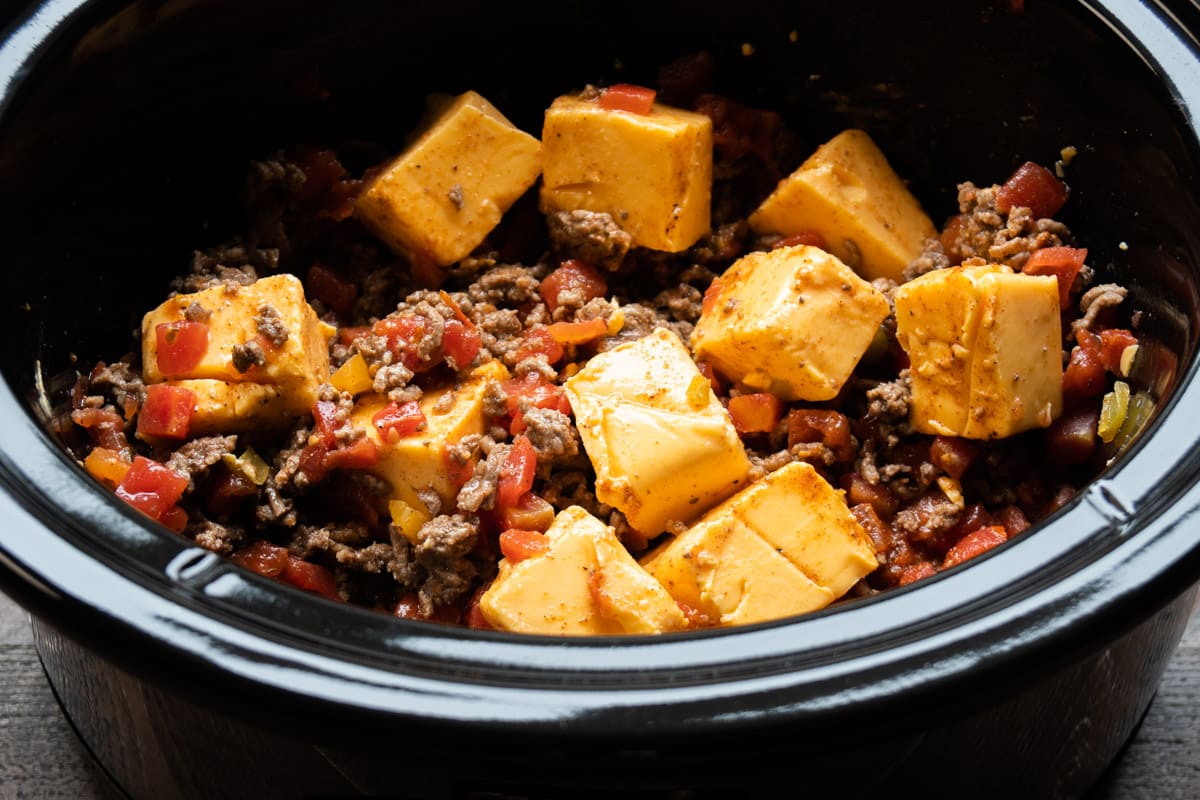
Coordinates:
column 41, row 758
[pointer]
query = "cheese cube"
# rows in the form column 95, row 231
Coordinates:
column 271, row 394
column 662, row 445
column 985, row 348
column 584, row 583
column 439, row 199
column 223, row 408
column 792, row 321
column 847, row 192
column 785, row 545
column 807, row 521
column 651, row 172
column 418, row 461
column 723, row 569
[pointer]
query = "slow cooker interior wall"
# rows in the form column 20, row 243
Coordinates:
column 130, row 150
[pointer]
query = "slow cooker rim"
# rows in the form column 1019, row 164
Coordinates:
column 1157, row 561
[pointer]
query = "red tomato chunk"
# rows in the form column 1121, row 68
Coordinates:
column 167, row 412
column 574, row 277
column 150, row 487
column 627, row 97
column 1034, row 187
column 179, row 346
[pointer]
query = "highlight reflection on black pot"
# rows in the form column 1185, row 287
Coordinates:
column 1080, row 591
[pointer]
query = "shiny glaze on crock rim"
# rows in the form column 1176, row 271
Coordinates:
column 95, row 568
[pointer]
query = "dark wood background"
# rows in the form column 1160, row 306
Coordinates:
column 41, row 758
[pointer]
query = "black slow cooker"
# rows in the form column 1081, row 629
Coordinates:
column 124, row 127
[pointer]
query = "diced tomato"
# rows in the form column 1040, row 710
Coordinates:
column 1084, row 375
column 1113, row 342
column 860, row 491
column 538, row 341
column 572, row 333
column 975, row 544
column 755, row 413
column 518, row 545
column 326, row 422
column 534, row 392
column 1071, row 439
column 326, row 188
column 951, row 239
column 974, row 517
column 460, row 344
column 310, row 577
column 710, row 296
column 359, row 454
column 819, row 425
column 408, row 607
column 627, row 97
column 474, row 616
column 226, row 490
column 915, row 572
column 403, row 332
column 312, row 461
column 174, row 518
column 953, row 455
column 1063, row 263
column 396, row 420
column 516, row 476
column 167, row 412
column 331, row 288
column 810, row 238
column 262, row 558
column 1012, row 519
column 151, row 487
column 346, row 335
column 1034, row 187
column 104, row 428
column 530, row 512
column 576, row 277
column 179, row 346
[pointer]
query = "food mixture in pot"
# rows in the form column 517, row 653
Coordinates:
column 664, row 366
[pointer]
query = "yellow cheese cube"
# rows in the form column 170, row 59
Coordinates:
column 416, row 462
column 793, row 321
column 662, row 445
column 585, row 583
column 652, row 172
column 223, row 408
column 785, row 545
column 726, row 571
column 847, row 192
column 439, row 199
column 986, row 352
column 281, row 389
column 807, row 521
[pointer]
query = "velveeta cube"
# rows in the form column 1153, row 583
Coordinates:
column 847, row 192
column 584, row 583
column 985, row 350
column 783, row 546
column 793, row 321
column 651, row 172
column 281, row 389
column 439, row 199
column 807, row 521
column 418, row 461
column 662, row 445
